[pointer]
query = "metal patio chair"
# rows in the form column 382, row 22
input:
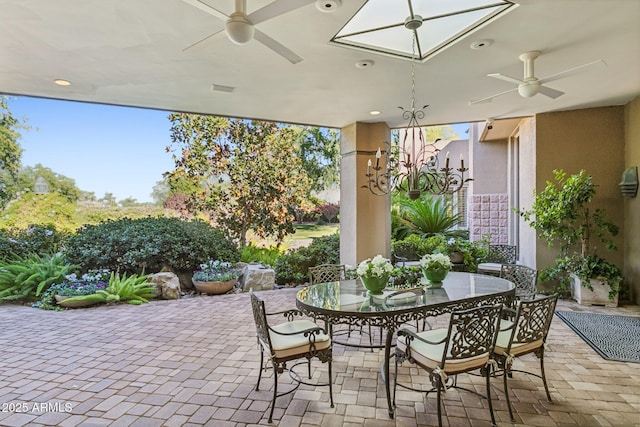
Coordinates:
column 289, row 341
column 498, row 255
column 466, row 345
column 524, row 332
column 525, row 278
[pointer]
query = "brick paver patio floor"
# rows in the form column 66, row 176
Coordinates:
column 194, row 362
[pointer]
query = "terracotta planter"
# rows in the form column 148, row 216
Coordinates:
column 214, row 288
column 61, row 300
column 598, row 296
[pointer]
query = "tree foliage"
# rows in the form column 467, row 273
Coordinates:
column 56, row 182
column 319, row 152
column 246, row 174
column 10, row 151
column 561, row 214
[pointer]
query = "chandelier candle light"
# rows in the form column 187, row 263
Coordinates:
column 413, row 166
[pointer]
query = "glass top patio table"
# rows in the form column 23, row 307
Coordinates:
column 348, row 302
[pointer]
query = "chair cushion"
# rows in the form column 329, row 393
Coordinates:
column 493, row 267
column 290, row 345
column 517, row 348
column 430, row 355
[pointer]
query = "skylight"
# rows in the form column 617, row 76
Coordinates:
column 379, row 25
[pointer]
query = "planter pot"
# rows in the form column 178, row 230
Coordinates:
column 435, row 276
column 214, row 288
column 61, row 300
column 375, row 285
column 598, row 296
column 456, row 257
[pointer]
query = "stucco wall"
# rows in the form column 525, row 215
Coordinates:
column 593, row 140
column 632, row 206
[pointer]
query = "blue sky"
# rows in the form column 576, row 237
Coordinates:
column 119, row 150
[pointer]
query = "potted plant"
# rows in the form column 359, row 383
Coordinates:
column 562, row 215
column 463, row 251
column 375, row 273
column 215, row 277
column 73, row 286
column 435, row 268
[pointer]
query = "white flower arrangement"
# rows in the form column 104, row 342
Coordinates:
column 376, row 267
column 436, row 262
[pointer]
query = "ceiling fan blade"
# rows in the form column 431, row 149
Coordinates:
column 505, row 78
column 551, row 93
column 208, row 9
column 200, row 43
column 570, row 71
column 277, row 47
column 277, row 8
column 489, row 98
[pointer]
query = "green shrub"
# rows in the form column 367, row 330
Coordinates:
column 35, row 240
column 293, row 267
column 27, row 278
column 265, row 256
column 148, row 244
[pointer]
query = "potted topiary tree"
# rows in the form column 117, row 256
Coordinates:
column 561, row 214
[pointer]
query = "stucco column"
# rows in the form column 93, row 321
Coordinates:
column 365, row 219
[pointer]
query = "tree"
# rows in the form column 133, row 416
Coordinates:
column 246, row 174
column 57, row 183
column 319, row 152
column 128, row 202
column 108, row 200
column 160, row 192
column 10, row 151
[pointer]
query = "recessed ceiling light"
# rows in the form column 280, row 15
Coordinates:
column 365, row 63
column 374, row 113
column 480, row 44
column 62, row 82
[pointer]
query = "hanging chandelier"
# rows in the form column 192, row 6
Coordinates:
column 413, row 165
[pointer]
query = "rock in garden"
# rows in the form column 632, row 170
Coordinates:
column 257, row 277
column 167, row 285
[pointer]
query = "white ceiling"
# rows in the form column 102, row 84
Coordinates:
column 130, row 52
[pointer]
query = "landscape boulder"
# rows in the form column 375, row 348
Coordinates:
column 167, row 285
column 257, row 277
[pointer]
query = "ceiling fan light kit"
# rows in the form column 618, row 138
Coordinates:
column 239, row 29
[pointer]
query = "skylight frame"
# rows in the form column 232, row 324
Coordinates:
column 357, row 33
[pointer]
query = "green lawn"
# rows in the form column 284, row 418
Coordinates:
column 302, row 237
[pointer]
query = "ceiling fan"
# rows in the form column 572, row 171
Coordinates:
column 530, row 85
column 240, row 27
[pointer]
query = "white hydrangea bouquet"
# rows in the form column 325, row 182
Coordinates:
column 436, row 262
column 376, row 267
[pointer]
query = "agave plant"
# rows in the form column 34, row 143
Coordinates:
column 425, row 217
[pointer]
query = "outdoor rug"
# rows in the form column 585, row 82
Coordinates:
column 614, row 337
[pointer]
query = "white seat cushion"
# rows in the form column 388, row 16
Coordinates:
column 291, row 345
column 430, row 355
column 517, row 348
column 493, row 267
